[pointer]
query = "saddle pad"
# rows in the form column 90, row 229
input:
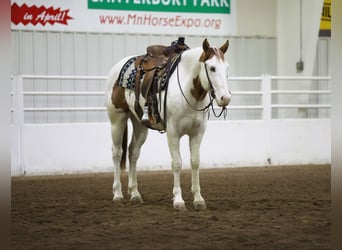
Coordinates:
column 127, row 74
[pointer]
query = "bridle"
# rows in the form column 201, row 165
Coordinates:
column 211, row 97
column 211, row 87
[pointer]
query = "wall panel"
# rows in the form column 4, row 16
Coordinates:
column 67, row 50
column 69, row 53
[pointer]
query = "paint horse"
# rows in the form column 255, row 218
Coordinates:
column 200, row 77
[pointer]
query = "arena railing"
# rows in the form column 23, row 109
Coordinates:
column 265, row 91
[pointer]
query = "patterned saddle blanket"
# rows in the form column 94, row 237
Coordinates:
column 127, row 74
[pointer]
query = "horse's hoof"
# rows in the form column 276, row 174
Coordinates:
column 117, row 199
column 179, row 206
column 137, row 199
column 200, row 205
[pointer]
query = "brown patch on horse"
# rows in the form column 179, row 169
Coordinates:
column 118, row 97
column 207, row 55
column 198, row 92
column 209, row 52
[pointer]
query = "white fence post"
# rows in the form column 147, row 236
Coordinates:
column 266, row 97
column 18, row 124
column 267, row 113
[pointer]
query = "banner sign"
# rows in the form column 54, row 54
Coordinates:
column 325, row 26
column 191, row 6
column 174, row 17
column 42, row 15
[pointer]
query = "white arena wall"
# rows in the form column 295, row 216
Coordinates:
column 83, row 148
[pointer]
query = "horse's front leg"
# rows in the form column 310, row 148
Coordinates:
column 178, row 202
column 195, row 143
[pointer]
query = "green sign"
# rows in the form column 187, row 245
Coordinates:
column 191, row 6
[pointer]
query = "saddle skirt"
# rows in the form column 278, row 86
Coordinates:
column 127, row 76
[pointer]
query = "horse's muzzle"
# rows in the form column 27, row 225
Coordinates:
column 224, row 100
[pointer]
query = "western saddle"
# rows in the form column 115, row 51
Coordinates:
column 153, row 72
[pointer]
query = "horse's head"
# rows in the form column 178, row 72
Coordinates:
column 215, row 72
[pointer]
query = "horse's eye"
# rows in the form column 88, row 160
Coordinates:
column 212, row 68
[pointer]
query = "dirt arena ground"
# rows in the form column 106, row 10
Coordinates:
column 248, row 208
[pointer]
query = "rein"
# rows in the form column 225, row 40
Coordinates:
column 211, row 98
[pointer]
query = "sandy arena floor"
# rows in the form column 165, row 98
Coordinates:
column 248, row 208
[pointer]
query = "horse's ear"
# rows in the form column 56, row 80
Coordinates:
column 224, row 47
column 205, row 45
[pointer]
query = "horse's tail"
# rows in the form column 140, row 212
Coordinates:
column 124, row 149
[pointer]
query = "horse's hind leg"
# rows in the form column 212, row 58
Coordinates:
column 138, row 138
column 118, row 126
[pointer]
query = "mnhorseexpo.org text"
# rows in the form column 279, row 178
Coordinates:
column 150, row 20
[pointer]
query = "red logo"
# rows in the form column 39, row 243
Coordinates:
column 38, row 15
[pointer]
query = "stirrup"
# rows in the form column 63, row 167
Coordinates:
column 145, row 119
